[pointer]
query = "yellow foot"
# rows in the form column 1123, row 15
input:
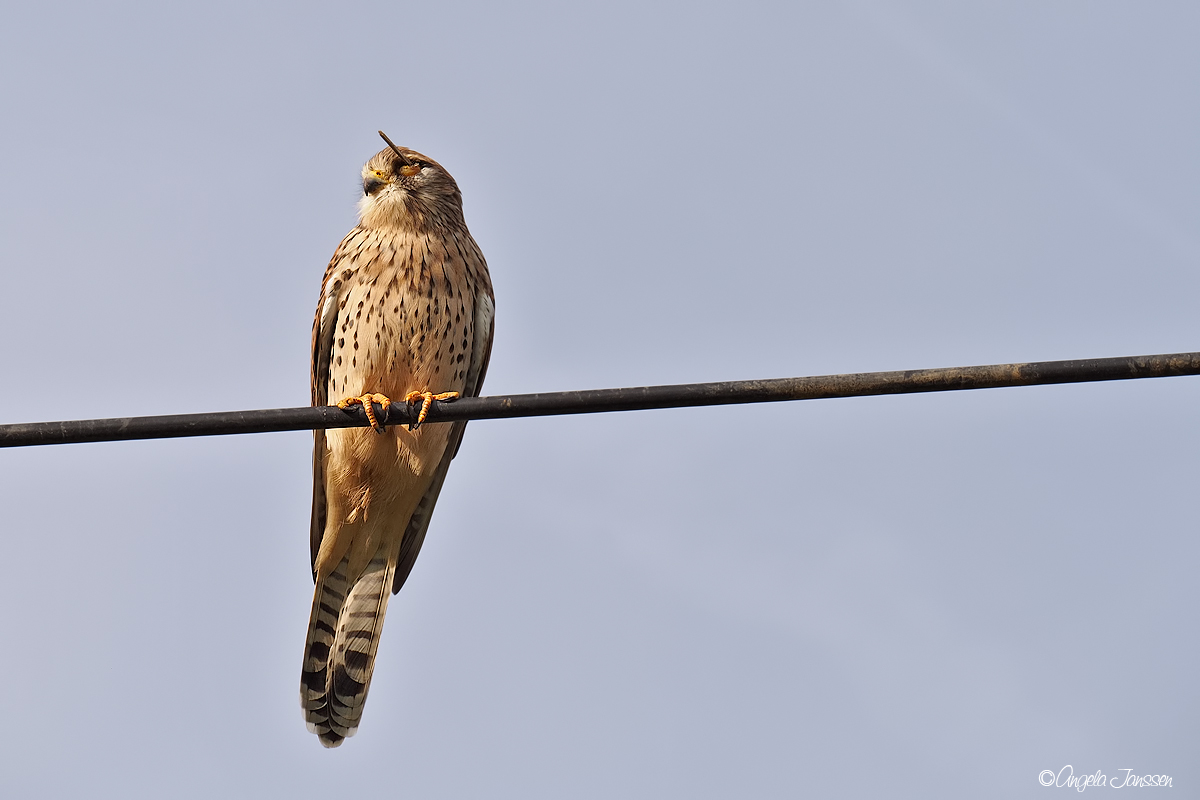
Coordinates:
column 426, row 399
column 365, row 401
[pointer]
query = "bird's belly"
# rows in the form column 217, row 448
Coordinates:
column 390, row 354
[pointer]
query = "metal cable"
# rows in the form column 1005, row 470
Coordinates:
column 600, row 400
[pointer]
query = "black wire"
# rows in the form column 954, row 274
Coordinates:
column 600, row 400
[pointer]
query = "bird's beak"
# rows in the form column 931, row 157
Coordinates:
column 373, row 182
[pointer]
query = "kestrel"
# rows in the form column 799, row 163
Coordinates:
column 405, row 313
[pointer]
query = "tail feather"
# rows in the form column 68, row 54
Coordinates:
column 339, row 654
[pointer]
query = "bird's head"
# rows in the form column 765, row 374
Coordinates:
column 404, row 189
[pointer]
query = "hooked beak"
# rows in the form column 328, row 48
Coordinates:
column 372, row 184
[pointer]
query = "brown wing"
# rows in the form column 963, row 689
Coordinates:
column 324, row 325
column 418, row 524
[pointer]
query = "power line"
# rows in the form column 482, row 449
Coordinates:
column 593, row 401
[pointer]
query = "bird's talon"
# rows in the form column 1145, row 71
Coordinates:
column 426, row 399
column 365, row 401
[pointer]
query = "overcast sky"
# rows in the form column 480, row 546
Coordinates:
column 924, row 596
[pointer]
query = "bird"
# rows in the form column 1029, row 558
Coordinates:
column 405, row 312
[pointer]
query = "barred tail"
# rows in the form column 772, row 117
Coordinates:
column 339, row 654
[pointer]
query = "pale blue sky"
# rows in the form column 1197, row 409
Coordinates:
column 920, row 596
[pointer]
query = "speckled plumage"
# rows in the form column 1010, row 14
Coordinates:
column 406, row 305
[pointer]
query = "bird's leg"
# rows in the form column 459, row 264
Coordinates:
column 365, row 401
column 426, row 399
